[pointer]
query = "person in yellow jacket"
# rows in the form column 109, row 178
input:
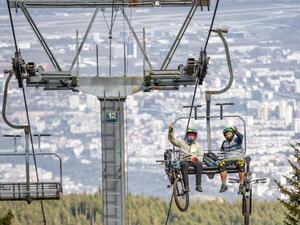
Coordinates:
column 192, row 155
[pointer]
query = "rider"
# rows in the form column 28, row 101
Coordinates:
column 192, row 155
column 232, row 156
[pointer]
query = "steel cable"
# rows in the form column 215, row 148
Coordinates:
column 33, row 151
column 26, row 108
column 206, row 43
column 194, row 95
column 12, row 26
column 169, row 210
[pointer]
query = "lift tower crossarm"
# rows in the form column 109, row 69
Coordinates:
column 112, row 91
column 107, row 3
column 112, row 86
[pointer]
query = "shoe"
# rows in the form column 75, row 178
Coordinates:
column 241, row 189
column 223, row 188
column 198, row 188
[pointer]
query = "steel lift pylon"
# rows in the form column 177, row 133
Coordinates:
column 111, row 91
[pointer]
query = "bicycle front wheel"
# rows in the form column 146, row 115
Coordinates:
column 181, row 197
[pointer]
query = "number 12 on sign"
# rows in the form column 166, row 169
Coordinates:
column 112, row 116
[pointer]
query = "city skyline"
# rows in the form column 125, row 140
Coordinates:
column 266, row 91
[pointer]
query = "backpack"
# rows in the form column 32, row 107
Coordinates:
column 211, row 159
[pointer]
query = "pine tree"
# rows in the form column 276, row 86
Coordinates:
column 292, row 191
column 7, row 219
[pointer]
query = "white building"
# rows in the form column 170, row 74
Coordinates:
column 131, row 49
column 264, row 111
column 297, row 86
column 297, row 122
column 74, row 101
column 282, row 109
column 289, row 115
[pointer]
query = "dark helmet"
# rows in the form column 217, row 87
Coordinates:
column 190, row 131
column 228, row 129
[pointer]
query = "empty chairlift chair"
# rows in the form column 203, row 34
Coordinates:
column 28, row 190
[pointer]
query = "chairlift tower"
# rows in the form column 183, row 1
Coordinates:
column 111, row 91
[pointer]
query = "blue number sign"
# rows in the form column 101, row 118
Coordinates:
column 112, row 116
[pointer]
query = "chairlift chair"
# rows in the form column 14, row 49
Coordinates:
column 211, row 170
column 27, row 190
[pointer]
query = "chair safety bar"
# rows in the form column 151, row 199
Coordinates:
column 28, row 191
column 218, row 117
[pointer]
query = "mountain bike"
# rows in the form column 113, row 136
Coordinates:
column 172, row 169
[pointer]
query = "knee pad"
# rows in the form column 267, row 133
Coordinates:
column 241, row 165
column 222, row 166
column 222, row 163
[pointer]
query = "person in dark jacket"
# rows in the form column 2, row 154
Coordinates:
column 233, row 155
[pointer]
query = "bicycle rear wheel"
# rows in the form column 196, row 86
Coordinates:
column 181, row 197
column 247, row 207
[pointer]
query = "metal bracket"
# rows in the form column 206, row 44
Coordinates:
column 221, row 108
column 63, row 80
column 195, row 107
column 39, row 139
column 167, row 79
column 15, row 136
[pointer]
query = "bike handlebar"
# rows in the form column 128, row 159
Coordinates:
column 233, row 180
column 259, row 181
column 161, row 161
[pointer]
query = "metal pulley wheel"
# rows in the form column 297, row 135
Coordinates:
column 19, row 68
column 203, row 66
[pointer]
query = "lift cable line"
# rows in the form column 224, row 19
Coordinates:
column 27, row 129
column 33, row 151
column 12, row 26
column 111, row 92
column 172, row 161
column 26, row 109
column 204, row 50
column 169, row 209
column 194, row 94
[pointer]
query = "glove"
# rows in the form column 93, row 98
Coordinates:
column 234, row 129
column 171, row 128
column 195, row 159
